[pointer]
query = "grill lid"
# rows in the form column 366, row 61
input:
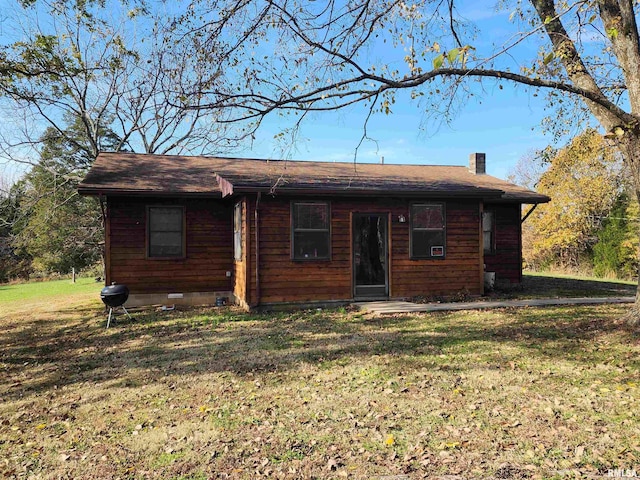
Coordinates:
column 114, row 295
column 114, row 289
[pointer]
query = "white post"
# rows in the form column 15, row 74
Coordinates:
column 73, row 274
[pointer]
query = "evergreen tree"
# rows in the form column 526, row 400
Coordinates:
column 615, row 254
column 12, row 265
column 58, row 228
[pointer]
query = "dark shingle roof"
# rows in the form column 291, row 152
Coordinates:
column 139, row 174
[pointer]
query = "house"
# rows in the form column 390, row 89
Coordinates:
column 265, row 232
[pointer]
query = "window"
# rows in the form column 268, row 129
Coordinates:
column 237, row 231
column 488, row 231
column 165, row 232
column 427, row 230
column 310, row 231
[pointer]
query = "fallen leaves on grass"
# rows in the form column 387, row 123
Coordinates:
column 511, row 394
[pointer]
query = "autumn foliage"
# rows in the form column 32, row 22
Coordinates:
column 589, row 225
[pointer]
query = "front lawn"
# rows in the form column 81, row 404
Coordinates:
column 217, row 393
column 20, row 297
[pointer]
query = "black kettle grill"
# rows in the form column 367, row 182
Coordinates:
column 114, row 296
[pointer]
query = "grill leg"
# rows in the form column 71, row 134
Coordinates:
column 109, row 319
column 125, row 311
column 113, row 315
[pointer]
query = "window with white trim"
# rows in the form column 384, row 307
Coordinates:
column 428, row 230
column 311, row 231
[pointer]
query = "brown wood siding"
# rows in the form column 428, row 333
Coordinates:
column 285, row 280
column 107, row 245
column 251, row 252
column 458, row 271
column 209, row 247
column 507, row 259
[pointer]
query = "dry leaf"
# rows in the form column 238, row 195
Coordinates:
column 449, row 445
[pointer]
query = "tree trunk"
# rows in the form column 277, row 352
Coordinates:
column 630, row 147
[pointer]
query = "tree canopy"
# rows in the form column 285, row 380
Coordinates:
column 318, row 56
column 109, row 64
column 585, row 181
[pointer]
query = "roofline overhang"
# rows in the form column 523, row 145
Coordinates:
column 228, row 188
column 348, row 192
column 489, row 195
column 120, row 192
column 344, row 192
column 523, row 200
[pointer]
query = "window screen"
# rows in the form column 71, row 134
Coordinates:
column 311, row 232
column 166, row 231
column 427, row 231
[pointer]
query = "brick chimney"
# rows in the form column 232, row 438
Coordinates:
column 477, row 163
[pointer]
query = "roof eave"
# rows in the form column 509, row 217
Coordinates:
column 476, row 193
column 124, row 192
column 527, row 200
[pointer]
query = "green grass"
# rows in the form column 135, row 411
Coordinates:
column 166, row 458
column 511, row 393
column 25, row 292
